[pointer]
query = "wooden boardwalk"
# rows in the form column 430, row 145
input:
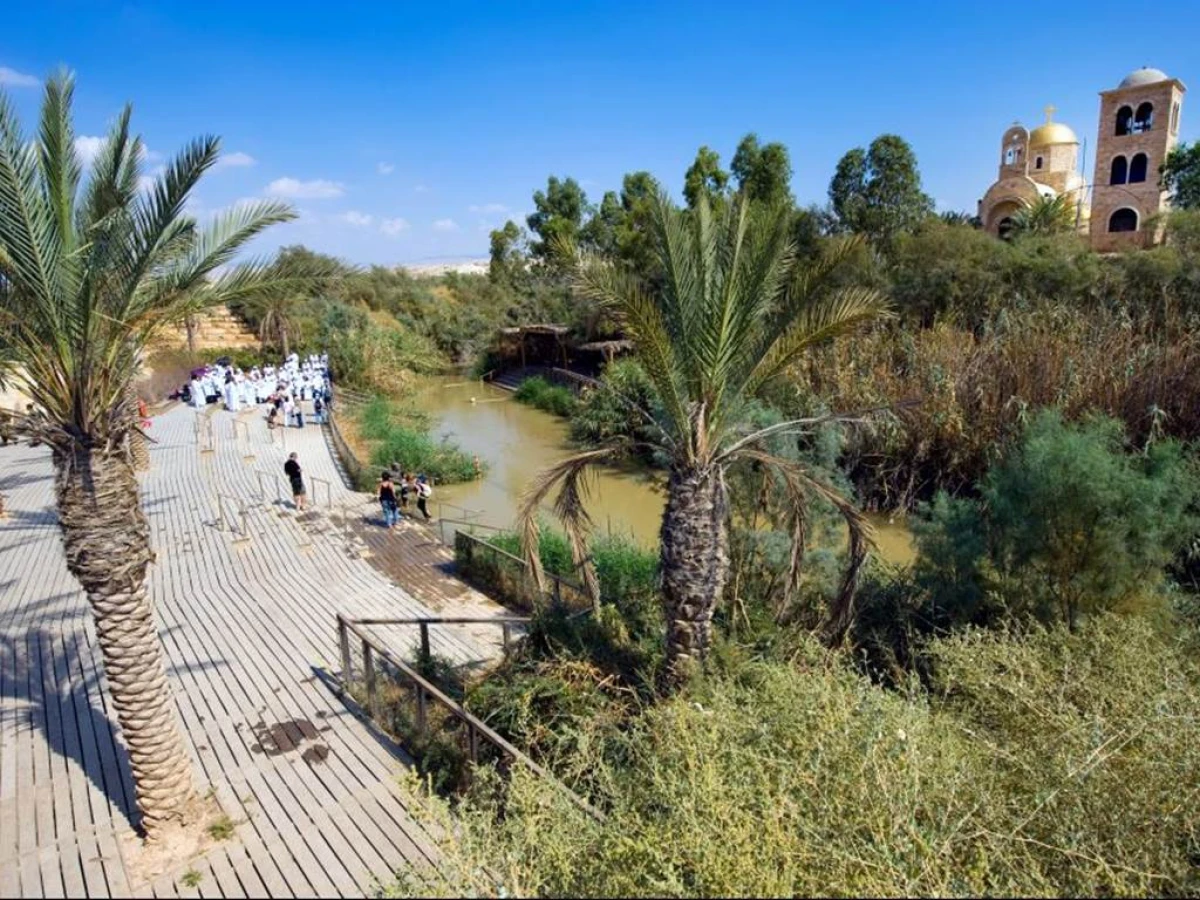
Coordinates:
column 247, row 622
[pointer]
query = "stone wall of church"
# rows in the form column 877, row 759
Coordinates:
column 1145, row 198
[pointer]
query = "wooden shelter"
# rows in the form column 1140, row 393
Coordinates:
column 538, row 342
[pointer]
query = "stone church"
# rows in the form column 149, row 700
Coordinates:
column 1139, row 126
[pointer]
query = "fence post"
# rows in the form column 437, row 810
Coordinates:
column 425, row 654
column 369, row 676
column 504, row 630
column 344, row 644
column 472, row 743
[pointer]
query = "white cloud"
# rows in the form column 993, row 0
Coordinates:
column 13, row 78
column 88, row 147
column 147, row 181
column 318, row 189
column 355, row 218
column 235, row 160
column 385, row 168
column 445, row 225
column 392, row 227
column 488, row 208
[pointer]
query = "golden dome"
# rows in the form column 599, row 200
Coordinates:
column 1052, row 133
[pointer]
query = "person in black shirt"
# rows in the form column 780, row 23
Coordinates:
column 295, row 475
column 387, row 499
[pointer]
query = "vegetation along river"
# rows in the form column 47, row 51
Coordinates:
column 516, row 442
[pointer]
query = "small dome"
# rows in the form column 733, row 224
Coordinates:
column 1052, row 133
column 1139, row 77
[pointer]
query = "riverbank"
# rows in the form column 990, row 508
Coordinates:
column 516, row 442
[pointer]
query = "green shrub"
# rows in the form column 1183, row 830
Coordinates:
column 402, row 439
column 541, row 394
column 602, row 416
column 1059, row 764
column 1069, row 523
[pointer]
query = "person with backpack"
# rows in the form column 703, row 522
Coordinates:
column 424, row 492
column 318, row 410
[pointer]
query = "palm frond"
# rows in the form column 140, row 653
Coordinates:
column 568, row 474
column 623, row 293
column 799, row 484
column 838, row 313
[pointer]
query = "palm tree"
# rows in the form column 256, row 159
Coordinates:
column 276, row 313
column 735, row 310
column 90, row 270
column 1044, row 216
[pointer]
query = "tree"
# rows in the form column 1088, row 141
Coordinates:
column 89, row 273
column 1044, row 216
column 1180, row 176
column 877, row 192
column 705, row 178
column 507, row 261
column 734, row 312
column 599, row 234
column 557, row 217
column 763, row 173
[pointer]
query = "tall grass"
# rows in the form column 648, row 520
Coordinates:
column 976, row 390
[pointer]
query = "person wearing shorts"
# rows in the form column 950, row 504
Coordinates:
column 295, row 475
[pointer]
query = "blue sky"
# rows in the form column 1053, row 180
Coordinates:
column 405, row 132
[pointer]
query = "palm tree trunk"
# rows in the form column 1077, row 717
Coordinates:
column 139, row 447
column 190, row 324
column 107, row 543
column 695, row 565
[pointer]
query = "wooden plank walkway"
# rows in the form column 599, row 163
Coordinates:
column 248, row 629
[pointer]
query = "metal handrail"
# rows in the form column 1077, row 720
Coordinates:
column 476, row 728
column 557, row 581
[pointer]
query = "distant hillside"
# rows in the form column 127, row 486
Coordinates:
column 462, row 266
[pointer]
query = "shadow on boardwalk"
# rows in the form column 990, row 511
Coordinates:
column 50, row 685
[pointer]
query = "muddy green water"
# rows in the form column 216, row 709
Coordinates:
column 516, row 442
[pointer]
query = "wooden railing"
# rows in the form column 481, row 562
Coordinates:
column 378, row 659
column 350, row 462
column 561, row 592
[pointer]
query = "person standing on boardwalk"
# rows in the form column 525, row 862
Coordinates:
column 387, row 499
column 295, row 475
column 424, row 492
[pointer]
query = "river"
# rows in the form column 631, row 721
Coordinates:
column 516, row 442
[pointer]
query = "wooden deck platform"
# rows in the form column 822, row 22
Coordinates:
column 247, row 621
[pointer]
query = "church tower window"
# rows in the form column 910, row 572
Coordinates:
column 1037, row 163
column 1137, row 168
column 1144, row 120
column 1175, row 118
column 1123, row 220
column 1120, row 170
column 1124, row 120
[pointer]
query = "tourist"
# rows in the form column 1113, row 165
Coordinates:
column 318, row 410
column 408, row 488
column 299, row 414
column 387, row 499
column 295, row 475
column 424, row 492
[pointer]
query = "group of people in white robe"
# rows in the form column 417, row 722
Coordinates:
column 286, row 387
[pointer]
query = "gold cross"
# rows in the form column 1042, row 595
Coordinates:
column 1050, row 111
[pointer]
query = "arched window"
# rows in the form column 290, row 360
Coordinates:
column 1120, row 170
column 1010, row 156
column 1004, row 228
column 1144, row 120
column 1137, row 169
column 1037, row 163
column 1124, row 120
column 1123, row 220
column 1175, row 119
